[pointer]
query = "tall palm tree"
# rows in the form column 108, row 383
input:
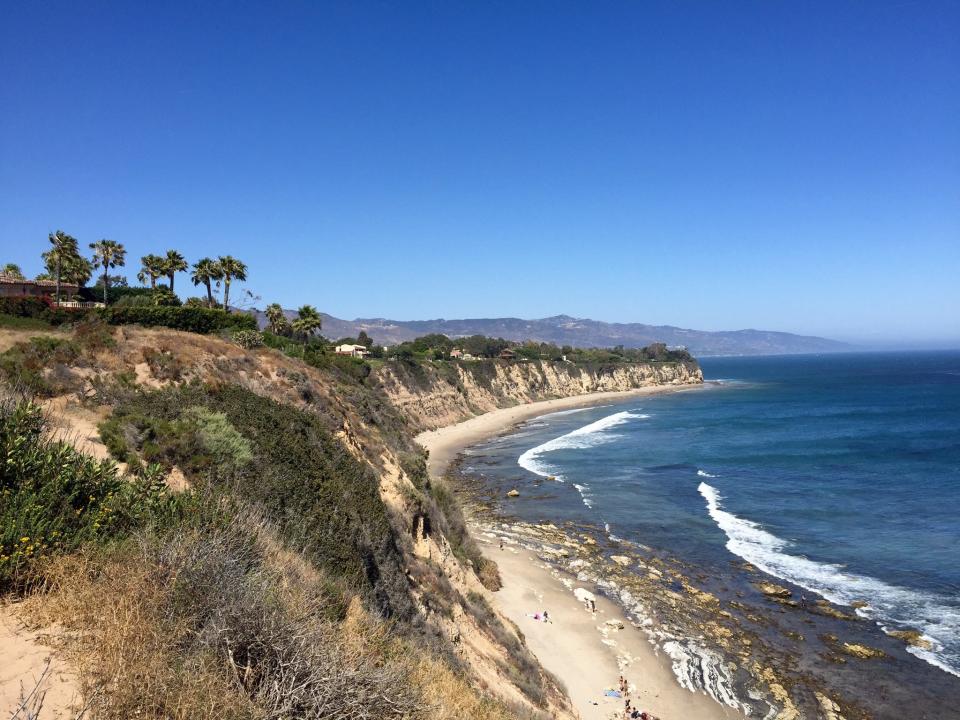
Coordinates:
column 307, row 323
column 108, row 254
column 14, row 270
column 205, row 272
column 152, row 266
column 173, row 262
column 279, row 324
column 232, row 269
column 64, row 248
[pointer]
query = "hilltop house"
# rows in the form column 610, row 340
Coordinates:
column 359, row 351
column 456, row 354
column 507, row 354
column 12, row 286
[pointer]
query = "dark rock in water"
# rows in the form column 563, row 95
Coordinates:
column 862, row 651
column 825, row 608
column 772, row 590
column 911, row 637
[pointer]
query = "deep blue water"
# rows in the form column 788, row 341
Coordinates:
column 840, row 473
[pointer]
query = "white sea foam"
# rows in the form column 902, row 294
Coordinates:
column 934, row 616
column 560, row 413
column 587, row 436
column 585, row 495
column 704, row 473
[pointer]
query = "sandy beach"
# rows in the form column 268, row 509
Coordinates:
column 579, row 647
column 447, row 442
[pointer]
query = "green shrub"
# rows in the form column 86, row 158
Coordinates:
column 163, row 363
column 42, row 309
column 140, row 300
column 248, row 339
column 53, row 498
column 15, row 322
column 94, row 335
column 218, row 437
column 40, row 365
column 300, row 476
column 28, row 307
column 191, row 319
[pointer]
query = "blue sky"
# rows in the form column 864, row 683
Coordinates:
column 789, row 166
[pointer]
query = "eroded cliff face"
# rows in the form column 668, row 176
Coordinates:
column 488, row 658
column 432, row 396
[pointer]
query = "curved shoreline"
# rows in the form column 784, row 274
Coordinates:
column 447, row 442
column 585, row 653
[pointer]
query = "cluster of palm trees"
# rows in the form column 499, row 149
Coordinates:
column 307, row 322
column 206, row 271
column 64, row 262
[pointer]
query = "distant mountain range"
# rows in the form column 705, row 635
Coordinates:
column 566, row 330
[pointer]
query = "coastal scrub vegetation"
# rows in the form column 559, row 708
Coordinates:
column 280, row 459
column 260, row 591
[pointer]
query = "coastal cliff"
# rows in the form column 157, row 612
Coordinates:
column 296, row 491
column 439, row 394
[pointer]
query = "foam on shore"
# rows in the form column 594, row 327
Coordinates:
column 596, row 433
column 888, row 605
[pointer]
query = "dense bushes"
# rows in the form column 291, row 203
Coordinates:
column 191, row 319
column 248, row 339
column 114, row 293
column 286, row 463
column 54, row 498
column 40, row 308
column 41, row 365
column 44, row 365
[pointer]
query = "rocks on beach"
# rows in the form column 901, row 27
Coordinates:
column 513, row 493
column 911, row 637
column 862, row 651
column 773, row 590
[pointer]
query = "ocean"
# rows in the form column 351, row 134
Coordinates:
column 839, row 474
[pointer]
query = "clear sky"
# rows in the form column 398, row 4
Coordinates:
column 716, row 165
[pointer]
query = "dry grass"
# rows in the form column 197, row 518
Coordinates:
column 225, row 623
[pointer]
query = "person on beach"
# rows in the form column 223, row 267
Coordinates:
column 501, row 543
column 593, row 606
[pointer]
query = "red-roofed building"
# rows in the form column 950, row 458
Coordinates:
column 12, row 286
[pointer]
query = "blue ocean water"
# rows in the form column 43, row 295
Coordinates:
column 839, row 473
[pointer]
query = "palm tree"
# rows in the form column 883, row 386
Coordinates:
column 205, row 272
column 64, row 248
column 173, row 263
column 108, row 254
column 278, row 321
column 14, row 270
column 152, row 266
column 307, row 323
column 232, row 269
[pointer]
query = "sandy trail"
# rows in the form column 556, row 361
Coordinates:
column 24, row 655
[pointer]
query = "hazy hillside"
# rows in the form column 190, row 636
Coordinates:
column 566, row 330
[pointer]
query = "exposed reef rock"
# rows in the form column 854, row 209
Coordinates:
column 772, row 590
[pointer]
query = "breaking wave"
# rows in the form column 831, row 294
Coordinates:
column 585, row 437
column 704, row 473
column 889, row 605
